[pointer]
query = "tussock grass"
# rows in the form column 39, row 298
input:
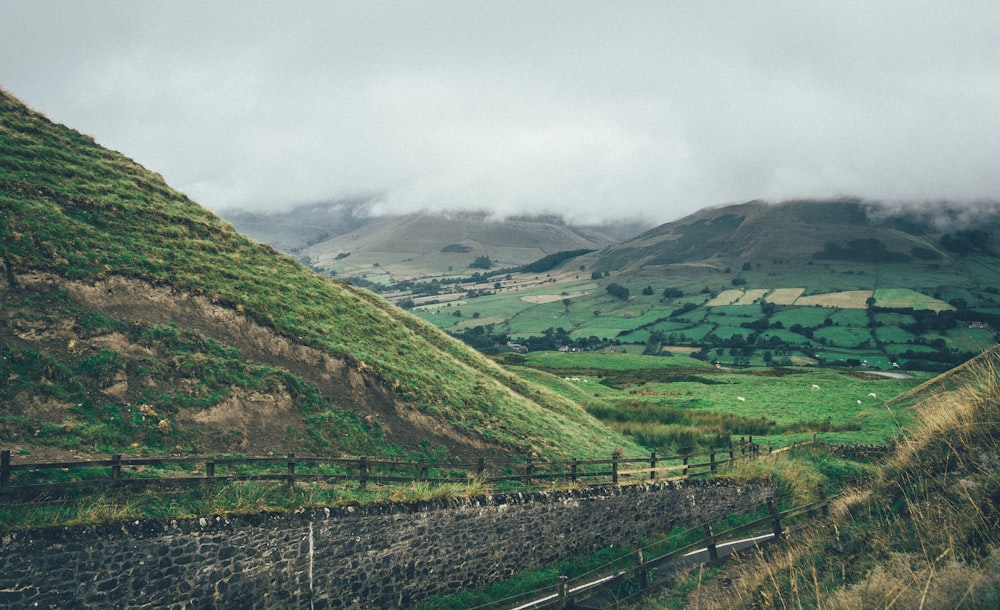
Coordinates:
column 925, row 533
column 229, row 499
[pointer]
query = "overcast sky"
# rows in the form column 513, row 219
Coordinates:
column 595, row 110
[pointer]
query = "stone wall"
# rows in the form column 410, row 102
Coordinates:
column 376, row 556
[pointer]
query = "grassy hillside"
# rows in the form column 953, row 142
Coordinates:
column 924, row 533
column 120, row 292
column 391, row 249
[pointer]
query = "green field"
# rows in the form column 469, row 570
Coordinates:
column 687, row 400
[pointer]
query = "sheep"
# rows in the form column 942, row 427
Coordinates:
column 741, row 399
column 859, row 402
column 872, row 395
column 815, row 387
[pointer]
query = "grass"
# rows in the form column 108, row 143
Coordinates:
column 925, row 532
column 79, row 211
column 230, row 499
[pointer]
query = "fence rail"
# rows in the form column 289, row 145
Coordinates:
column 563, row 595
column 119, row 470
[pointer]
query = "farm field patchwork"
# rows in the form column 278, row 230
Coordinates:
column 736, row 326
column 851, row 299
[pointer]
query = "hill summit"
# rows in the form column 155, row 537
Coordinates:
column 815, row 230
column 132, row 318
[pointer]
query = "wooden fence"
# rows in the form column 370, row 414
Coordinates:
column 143, row 471
column 637, row 579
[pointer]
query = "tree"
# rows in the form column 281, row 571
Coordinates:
column 647, row 291
column 618, row 291
column 481, row 262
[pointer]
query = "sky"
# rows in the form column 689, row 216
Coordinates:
column 593, row 110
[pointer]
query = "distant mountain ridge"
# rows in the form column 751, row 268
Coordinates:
column 344, row 239
column 802, row 231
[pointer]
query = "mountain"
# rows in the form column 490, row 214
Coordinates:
column 845, row 282
column 303, row 225
column 133, row 319
column 343, row 238
column 769, row 234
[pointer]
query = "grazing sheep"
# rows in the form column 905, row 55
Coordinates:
column 859, row 402
column 741, row 399
column 815, row 387
column 872, row 395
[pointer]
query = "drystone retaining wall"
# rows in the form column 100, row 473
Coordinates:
column 376, row 556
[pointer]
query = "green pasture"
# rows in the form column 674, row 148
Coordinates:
column 778, row 406
column 804, row 316
column 838, row 356
column 969, row 339
column 894, row 319
column 729, row 332
column 597, row 330
column 843, row 336
column 892, row 334
column 849, row 317
column 787, row 336
column 915, row 348
column 790, row 399
column 744, row 312
column 602, row 361
column 905, row 297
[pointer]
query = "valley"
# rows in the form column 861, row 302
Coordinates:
column 134, row 322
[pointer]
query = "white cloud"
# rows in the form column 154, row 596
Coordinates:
column 591, row 109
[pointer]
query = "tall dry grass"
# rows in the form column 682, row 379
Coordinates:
column 924, row 534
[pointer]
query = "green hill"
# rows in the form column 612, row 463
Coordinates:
column 133, row 318
column 923, row 533
column 772, row 235
column 345, row 239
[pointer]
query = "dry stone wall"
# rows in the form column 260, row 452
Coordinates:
column 376, row 556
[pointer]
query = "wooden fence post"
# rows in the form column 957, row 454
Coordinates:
column 643, row 572
column 563, row 591
column 527, row 472
column 116, row 468
column 291, row 469
column 822, row 498
column 573, row 470
column 652, row 466
column 684, row 471
column 614, row 468
column 4, row 468
column 711, row 461
column 362, row 471
column 210, row 469
column 775, row 519
column 480, row 466
column 731, row 453
column 713, row 552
